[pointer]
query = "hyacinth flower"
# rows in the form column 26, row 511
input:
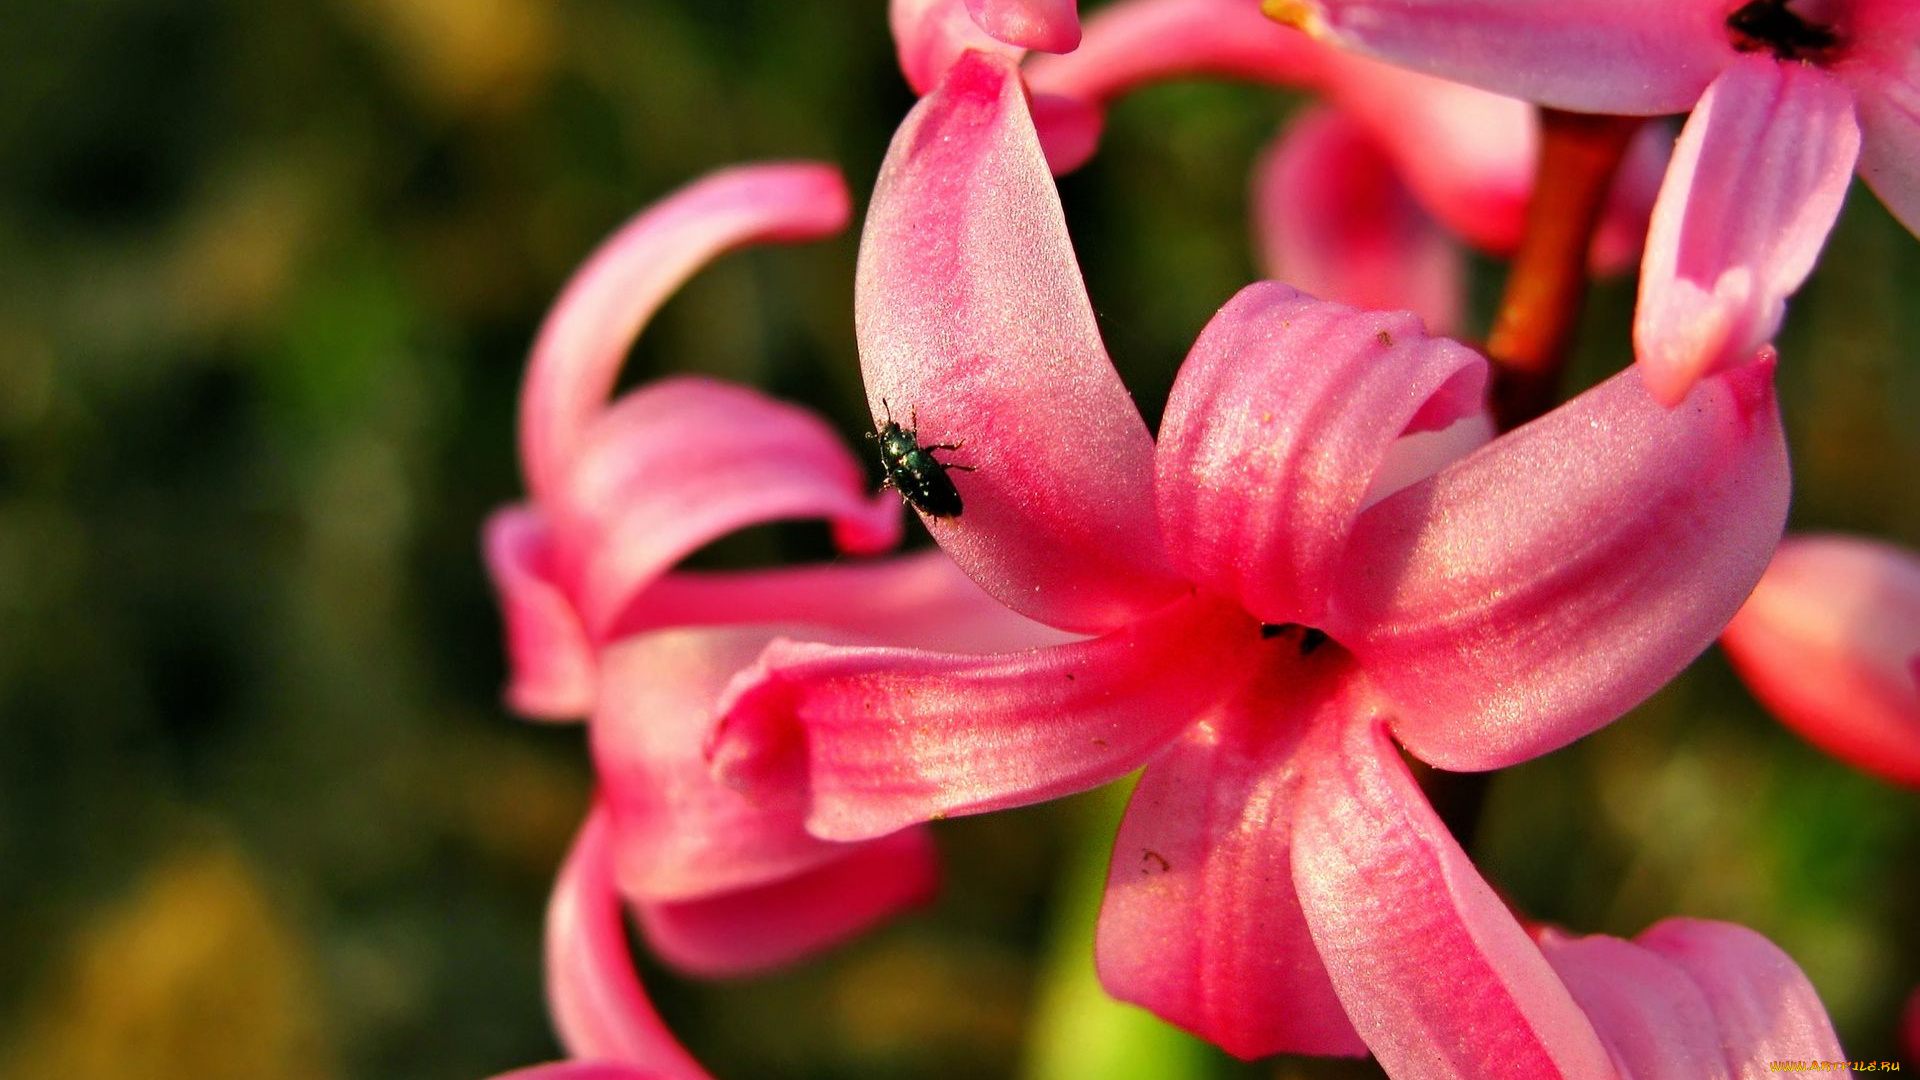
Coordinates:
column 599, row 625
column 1686, row 998
column 1786, row 98
column 1279, row 591
column 1830, row 643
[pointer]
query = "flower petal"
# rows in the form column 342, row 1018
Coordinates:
column 929, row 35
column 1540, row 587
column 1136, row 42
column 1754, row 188
column 1048, row 25
column 1653, row 1018
column 772, row 925
column 582, row 1070
column 599, row 1008
column 876, row 739
column 1886, row 84
column 1765, row 1008
column 578, row 353
column 550, row 666
column 973, row 322
column 1200, row 923
column 1830, row 642
column 1333, row 219
column 684, row 461
column 1277, row 422
column 1436, row 975
column 1633, row 57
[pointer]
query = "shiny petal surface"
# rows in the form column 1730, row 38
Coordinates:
column 1756, row 183
column 1887, row 90
column 1635, row 57
column 1540, row 587
column 929, row 35
column 1762, row 1003
column 1830, row 642
column 599, row 1009
column 1200, row 923
column 921, row 601
column 878, row 738
column 1436, row 975
column 684, row 461
column 578, row 353
column 1653, row 1018
column 973, row 323
column 550, row 665
column 1333, row 219
column 1275, row 427
column 1048, row 25
column 772, row 925
column 677, row 834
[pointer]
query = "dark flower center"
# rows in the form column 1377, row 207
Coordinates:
column 1772, row 26
column 1309, row 638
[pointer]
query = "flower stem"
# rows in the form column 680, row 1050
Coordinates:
column 1579, row 155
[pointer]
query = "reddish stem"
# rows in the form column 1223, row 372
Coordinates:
column 1579, row 155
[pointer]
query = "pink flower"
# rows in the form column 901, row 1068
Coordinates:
column 597, row 624
column 1787, row 95
column 1830, row 642
column 1276, row 586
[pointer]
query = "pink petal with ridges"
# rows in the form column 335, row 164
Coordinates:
column 870, row 740
column 599, row 1009
column 1048, row 25
column 1653, row 1018
column 550, row 665
column 1436, row 975
column 585, row 338
column 972, row 320
column 1765, row 1008
column 684, row 461
column 1200, row 924
column 1829, row 642
column 929, row 35
column 1276, row 424
column 1886, row 88
column 1755, row 186
column 1634, row 57
column 1333, row 219
column 776, row 924
column 1540, row 587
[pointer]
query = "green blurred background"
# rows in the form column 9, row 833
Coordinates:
column 267, row 275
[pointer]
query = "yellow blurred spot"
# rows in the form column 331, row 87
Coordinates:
column 193, row 976
column 1299, row 14
column 467, row 52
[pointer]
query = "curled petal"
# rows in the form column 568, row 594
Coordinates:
column 929, row 35
column 922, row 601
column 877, row 739
column 599, row 1008
column 583, row 1070
column 1692, row 999
column 684, row 461
column 1436, row 975
column 771, row 925
column 1048, row 25
column 1830, row 641
column 578, row 353
column 1540, row 587
column 1200, row 923
column 1632, row 57
column 550, row 668
column 1887, row 89
column 974, row 324
column 1334, row 220
column 1755, row 186
column 1276, row 425
column 1135, row 42
column 1762, row 1003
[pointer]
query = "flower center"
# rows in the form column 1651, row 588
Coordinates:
column 1772, row 26
column 1307, row 637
